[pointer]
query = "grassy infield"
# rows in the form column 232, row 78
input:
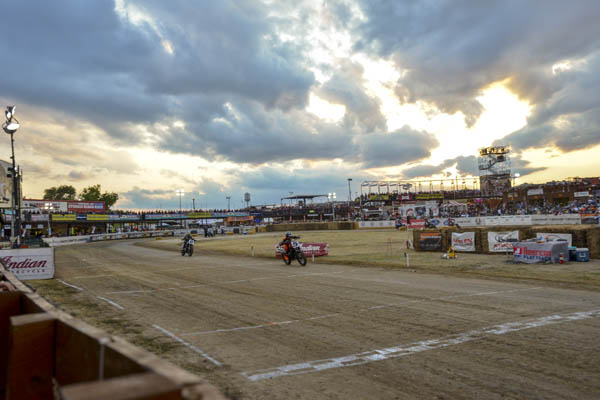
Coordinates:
column 372, row 248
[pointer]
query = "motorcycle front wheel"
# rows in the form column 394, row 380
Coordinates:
column 286, row 259
column 190, row 251
column 301, row 258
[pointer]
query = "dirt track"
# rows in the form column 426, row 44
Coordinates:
column 258, row 329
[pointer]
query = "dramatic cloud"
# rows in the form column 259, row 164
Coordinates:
column 450, row 50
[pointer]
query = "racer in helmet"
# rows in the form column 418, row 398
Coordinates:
column 286, row 243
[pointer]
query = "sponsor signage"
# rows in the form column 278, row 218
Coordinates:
column 508, row 220
column 463, row 241
column 199, row 215
column 64, row 217
column 85, row 206
column 502, row 241
column 429, row 196
column 29, row 217
column 532, row 252
column 552, row 237
column 128, row 217
column 430, row 241
column 417, row 224
column 561, row 219
column 96, row 217
column 376, row 224
column 29, row 264
column 582, row 194
column 589, row 219
column 318, row 249
column 535, row 192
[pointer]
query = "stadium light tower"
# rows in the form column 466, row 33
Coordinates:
column 10, row 126
column 180, row 193
column 228, row 203
column 331, row 197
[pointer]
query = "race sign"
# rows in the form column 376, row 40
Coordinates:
column 502, row 241
column 430, row 241
column 463, row 241
column 29, row 263
column 318, row 249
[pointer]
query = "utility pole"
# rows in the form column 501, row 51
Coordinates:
column 349, row 197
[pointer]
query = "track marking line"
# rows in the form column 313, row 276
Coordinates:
column 360, row 310
column 413, row 348
column 69, row 285
column 222, row 283
column 188, row 345
column 112, row 303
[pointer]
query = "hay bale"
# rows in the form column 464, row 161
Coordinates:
column 593, row 242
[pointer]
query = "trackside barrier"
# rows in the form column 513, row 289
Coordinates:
column 47, row 354
column 62, row 241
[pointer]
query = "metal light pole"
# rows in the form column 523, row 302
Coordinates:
column 331, row 197
column 228, row 203
column 10, row 126
column 180, row 193
column 349, row 196
column 193, row 204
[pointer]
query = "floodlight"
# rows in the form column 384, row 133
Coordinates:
column 517, row 175
column 10, row 112
column 11, row 127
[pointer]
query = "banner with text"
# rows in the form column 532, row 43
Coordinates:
column 502, row 241
column 430, row 241
column 555, row 237
column 29, row 264
column 463, row 241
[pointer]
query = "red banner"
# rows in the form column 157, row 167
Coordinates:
column 319, row 249
column 417, row 224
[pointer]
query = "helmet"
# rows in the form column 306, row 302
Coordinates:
column 288, row 234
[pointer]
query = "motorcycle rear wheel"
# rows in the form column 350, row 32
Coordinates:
column 183, row 252
column 301, row 258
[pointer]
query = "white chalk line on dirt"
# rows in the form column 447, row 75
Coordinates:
column 412, row 348
column 188, row 345
column 270, row 324
column 70, row 285
column 112, row 303
column 223, row 283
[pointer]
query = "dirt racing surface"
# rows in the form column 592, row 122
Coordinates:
column 258, row 329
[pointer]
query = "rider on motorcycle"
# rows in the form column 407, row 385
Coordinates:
column 286, row 243
column 187, row 238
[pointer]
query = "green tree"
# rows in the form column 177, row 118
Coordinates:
column 94, row 193
column 63, row 192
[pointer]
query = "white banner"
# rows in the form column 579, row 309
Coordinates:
column 29, row 264
column 553, row 237
column 508, row 220
column 562, row 219
column 582, row 194
column 502, row 241
column 535, row 192
column 377, row 224
column 463, row 241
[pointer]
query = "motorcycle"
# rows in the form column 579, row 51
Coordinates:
column 294, row 253
column 188, row 247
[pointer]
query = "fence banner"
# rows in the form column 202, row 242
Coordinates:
column 502, row 241
column 318, row 249
column 29, row 263
column 532, row 252
column 508, row 220
column 430, row 241
column 376, row 224
column 561, row 219
column 463, row 241
column 417, row 224
column 589, row 219
column 554, row 237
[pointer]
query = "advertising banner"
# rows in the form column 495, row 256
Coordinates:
column 469, row 221
column 64, row 217
column 532, row 252
column 199, row 215
column 430, row 241
column 589, row 219
column 561, row 219
column 85, row 206
column 554, row 237
column 463, row 241
column 508, row 220
column 29, row 264
column 582, row 194
column 97, row 217
column 502, row 241
column 122, row 217
column 376, row 224
column 535, row 192
column 417, row 224
column 51, row 205
column 318, row 249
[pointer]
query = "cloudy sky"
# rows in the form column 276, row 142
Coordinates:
column 225, row 97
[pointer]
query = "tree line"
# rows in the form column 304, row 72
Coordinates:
column 90, row 193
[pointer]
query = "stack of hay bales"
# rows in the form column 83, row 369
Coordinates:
column 593, row 241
